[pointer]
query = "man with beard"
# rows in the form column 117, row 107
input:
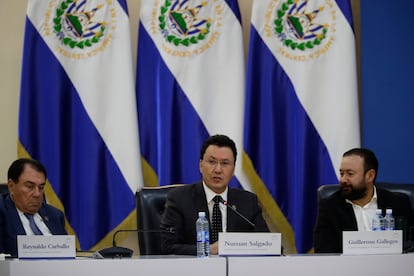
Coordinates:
column 353, row 207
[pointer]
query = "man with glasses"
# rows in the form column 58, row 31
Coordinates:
column 217, row 164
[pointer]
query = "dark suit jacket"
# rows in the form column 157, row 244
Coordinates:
column 11, row 225
column 336, row 215
column 181, row 212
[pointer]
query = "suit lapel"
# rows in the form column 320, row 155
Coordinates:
column 231, row 216
column 348, row 217
column 382, row 200
column 14, row 217
column 43, row 213
column 199, row 198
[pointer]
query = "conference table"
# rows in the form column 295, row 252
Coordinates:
column 323, row 265
column 148, row 265
column 291, row 265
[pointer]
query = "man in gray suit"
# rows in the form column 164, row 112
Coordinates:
column 217, row 164
column 23, row 210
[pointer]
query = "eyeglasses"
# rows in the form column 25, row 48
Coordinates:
column 223, row 163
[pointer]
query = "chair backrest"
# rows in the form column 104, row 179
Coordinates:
column 3, row 188
column 150, row 206
column 325, row 191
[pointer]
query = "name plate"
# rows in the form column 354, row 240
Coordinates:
column 46, row 247
column 372, row 242
column 251, row 243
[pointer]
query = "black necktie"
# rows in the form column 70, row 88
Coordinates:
column 216, row 226
column 33, row 225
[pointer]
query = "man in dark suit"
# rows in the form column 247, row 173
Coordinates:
column 353, row 207
column 217, row 164
column 25, row 202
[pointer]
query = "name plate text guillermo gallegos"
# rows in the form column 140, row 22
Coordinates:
column 372, row 242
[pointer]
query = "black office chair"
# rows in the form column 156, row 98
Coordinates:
column 3, row 188
column 325, row 191
column 150, row 206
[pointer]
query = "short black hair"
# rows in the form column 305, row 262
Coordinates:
column 219, row 140
column 17, row 168
column 370, row 160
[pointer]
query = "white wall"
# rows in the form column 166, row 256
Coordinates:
column 12, row 15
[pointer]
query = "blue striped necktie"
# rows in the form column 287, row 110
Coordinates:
column 33, row 225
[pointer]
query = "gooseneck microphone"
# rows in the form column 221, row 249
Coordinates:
column 123, row 252
column 163, row 230
column 237, row 212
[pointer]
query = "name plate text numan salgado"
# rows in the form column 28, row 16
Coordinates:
column 251, row 243
column 372, row 242
column 46, row 247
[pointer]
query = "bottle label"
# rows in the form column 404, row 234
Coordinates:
column 206, row 236
column 202, row 236
column 378, row 223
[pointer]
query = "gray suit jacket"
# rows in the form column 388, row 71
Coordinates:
column 181, row 212
column 11, row 225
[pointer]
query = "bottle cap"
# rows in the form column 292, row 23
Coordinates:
column 201, row 214
column 388, row 211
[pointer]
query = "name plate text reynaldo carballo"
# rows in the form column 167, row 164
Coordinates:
column 46, row 247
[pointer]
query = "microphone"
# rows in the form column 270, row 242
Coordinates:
column 123, row 252
column 237, row 212
column 163, row 230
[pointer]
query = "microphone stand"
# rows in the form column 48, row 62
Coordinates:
column 237, row 212
column 123, row 252
column 168, row 230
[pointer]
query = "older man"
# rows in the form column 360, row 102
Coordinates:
column 23, row 210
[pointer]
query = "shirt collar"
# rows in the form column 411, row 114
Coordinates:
column 373, row 199
column 210, row 194
column 21, row 214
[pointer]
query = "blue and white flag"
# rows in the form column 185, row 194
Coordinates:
column 301, row 107
column 78, row 112
column 190, row 84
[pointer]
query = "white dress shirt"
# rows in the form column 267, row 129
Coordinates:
column 39, row 223
column 210, row 202
column 365, row 214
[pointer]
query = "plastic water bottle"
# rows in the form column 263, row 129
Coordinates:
column 389, row 220
column 203, row 236
column 378, row 221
